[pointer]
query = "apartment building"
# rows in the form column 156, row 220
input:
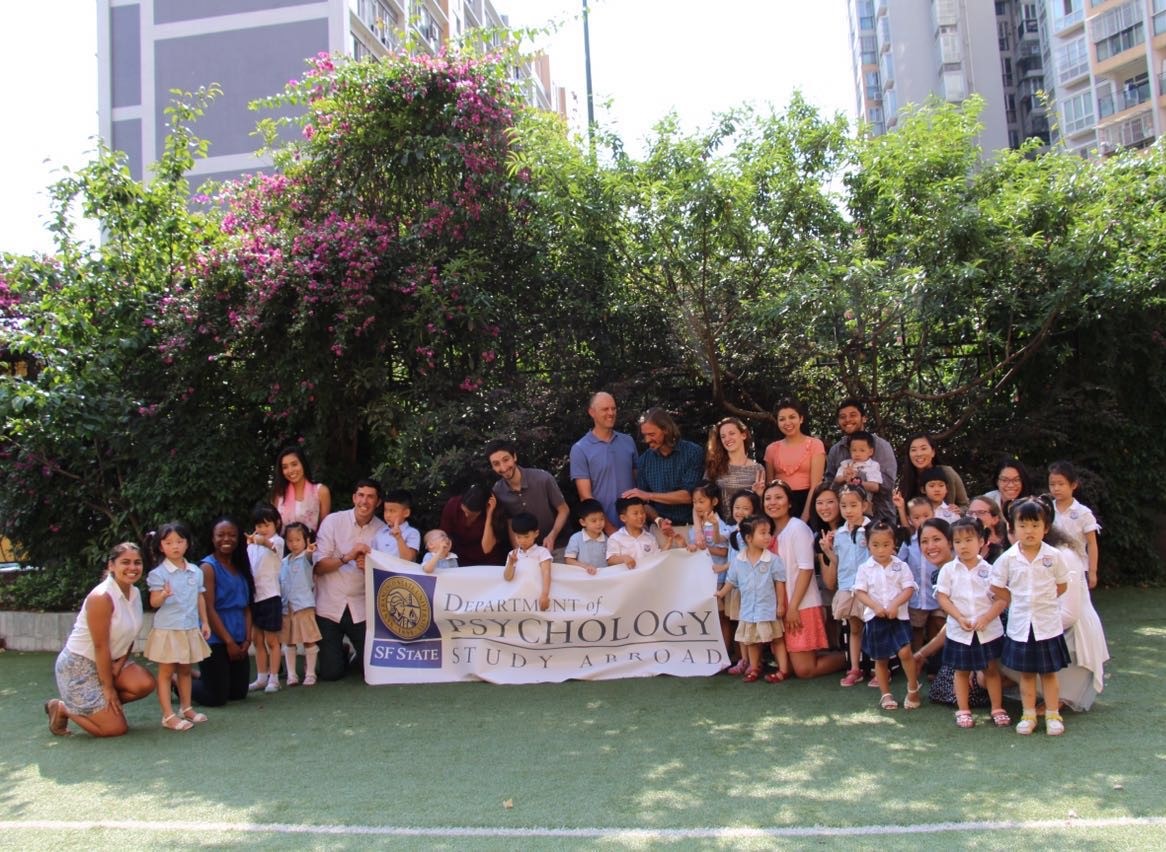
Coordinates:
column 1109, row 82
column 906, row 51
column 251, row 48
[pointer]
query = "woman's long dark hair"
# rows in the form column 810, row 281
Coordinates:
column 279, row 482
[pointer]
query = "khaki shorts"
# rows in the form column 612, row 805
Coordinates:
column 920, row 617
column 846, row 605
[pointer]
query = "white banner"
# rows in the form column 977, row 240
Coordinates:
column 469, row 624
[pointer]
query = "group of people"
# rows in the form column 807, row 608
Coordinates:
column 830, row 561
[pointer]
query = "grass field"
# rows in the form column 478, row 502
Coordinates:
column 695, row 762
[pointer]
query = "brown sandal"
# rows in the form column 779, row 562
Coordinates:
column 58, row 718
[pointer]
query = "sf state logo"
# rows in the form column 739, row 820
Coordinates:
column 403, row 607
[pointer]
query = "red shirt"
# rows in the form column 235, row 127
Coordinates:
column 467, row 535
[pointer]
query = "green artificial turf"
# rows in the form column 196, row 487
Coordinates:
column 658, row 753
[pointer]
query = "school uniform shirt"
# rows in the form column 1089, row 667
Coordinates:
column 884, row 584
column 265, row 564
column 850, row 548
column 969, row 590
column 623, row 543
column 296, row 582
column 588, row 550
column 1033, row 586
column 532, row 558
column 921, row 571
column 945, row 512
column 868, row 471
column 755, row 582
column 385, row 542
column 180, row 610
column 440, row 564
column 721, row 563
column 1076, row 522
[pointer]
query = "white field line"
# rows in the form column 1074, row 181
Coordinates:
column 710, row 833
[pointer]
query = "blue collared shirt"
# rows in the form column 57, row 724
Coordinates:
column 755, row 581
column 609, row 465
column 589, row 551
column 180, row 610
column 680, row 470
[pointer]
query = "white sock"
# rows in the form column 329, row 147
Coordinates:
column 289, row 660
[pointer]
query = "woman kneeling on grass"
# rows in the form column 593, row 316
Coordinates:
column 95, row 675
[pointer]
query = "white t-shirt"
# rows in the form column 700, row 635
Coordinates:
column 623, row 543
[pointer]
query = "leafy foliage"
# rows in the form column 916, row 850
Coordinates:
column 434, row 265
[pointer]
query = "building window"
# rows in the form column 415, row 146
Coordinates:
column 1159, row 17
column 870, row 50
column 1120, row 42
column 1004, row 34
column 1006, row 70
column 1072, row 60
column 1077, row 113
column 1001, row 8
column 1013, row 139
column 873, row 84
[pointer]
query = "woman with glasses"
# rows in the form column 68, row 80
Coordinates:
column 987, row 511
column 1012, row 482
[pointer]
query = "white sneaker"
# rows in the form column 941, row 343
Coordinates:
column 257, row 684
column 272, row 685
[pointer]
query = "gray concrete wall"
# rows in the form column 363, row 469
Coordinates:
column 47, row 631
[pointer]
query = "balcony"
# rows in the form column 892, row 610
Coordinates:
column 1063, row 23
column 1128, row 98
column 1137, row 132
column 881, row 7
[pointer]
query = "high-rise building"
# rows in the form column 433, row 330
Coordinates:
column 1108, row 77
column 906, row 51
column 251, row 48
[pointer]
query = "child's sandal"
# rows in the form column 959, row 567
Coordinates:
column 852, row 678
column 888, row 702
column 912, row 703
column 1001, row 719
column 776, row 677
column 752, row 675
column 1027, row 724
column 192, row 715
column 174, row 723
column 1054, row 724
column 737, row 669
column 963, row 719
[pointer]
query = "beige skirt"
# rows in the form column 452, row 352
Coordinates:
column 176, row 646
column 758, row 632
column 733, row 604
column 300, row 627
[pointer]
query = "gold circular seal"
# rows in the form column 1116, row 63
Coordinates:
column 403, row 607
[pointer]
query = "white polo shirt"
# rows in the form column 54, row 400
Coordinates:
column 1033, row 586
column 969, row 590
column 623, row 543
column 1077, row 522
column 884, row 584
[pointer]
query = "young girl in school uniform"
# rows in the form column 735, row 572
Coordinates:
column 298, row 590
column 178, row 637
column 884, row 584
column 744, row 504
column 845, row 549
column 975, row 636
column 760, row 576
column 1029, row 577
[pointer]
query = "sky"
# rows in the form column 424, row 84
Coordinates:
column 647, row 57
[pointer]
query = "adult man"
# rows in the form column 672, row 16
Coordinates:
column 851, row 419
column 668, row 470
column 341, row 544
column 603, row 462
column 527, row 489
